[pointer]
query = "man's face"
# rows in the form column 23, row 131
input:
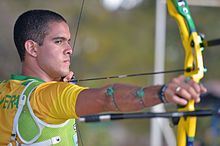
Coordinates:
column 54, row 54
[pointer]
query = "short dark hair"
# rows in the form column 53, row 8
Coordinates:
column 33, row 25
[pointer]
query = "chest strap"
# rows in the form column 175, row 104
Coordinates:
column 31, row 85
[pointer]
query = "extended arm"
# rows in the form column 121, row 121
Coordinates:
column 125, row 98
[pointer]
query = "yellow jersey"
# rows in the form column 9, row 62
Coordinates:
column 52, row 102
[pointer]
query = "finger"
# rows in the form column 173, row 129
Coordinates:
column 174, row 88
column 179, row 100
column 186, row 94
column 191, row 87
column 68, row 77
column 172, row 97
column 183, row 93
column 194, row 95
column 203, row 89
column 196, row 86
column 176, row 99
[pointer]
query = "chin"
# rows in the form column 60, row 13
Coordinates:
column 65, row 73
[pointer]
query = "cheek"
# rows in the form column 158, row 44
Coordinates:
column 50, row 56
column 45, row 58
column 51, row 59
column 48, row 52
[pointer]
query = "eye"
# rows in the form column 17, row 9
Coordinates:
column 69, row 42
column 58, row 41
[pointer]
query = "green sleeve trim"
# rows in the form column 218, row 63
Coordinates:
column 21, row 77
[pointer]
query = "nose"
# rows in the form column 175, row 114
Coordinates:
column 68, row 50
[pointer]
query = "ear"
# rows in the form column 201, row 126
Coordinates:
column 31, row 47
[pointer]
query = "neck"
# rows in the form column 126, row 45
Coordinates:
column 30, row 68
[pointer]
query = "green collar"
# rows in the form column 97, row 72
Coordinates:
column 21, row 77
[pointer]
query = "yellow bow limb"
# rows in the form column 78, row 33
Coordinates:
column 193, row 62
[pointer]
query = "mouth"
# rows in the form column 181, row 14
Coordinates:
column 67, row 61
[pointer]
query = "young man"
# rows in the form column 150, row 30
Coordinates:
column 38, row 108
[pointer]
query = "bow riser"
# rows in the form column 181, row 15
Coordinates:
column 193, row 61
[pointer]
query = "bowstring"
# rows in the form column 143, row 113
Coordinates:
column 78, row 23
column 74, row 44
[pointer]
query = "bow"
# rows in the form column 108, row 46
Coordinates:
column 193, row 68
column 193, row 61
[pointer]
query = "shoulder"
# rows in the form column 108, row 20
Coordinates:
column 57, row 90
column 58, row 86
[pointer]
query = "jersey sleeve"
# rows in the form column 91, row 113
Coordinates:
column 54, row 102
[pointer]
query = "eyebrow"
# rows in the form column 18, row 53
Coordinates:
column 62, row 38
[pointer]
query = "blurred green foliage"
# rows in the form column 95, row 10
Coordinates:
column 111, row 43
